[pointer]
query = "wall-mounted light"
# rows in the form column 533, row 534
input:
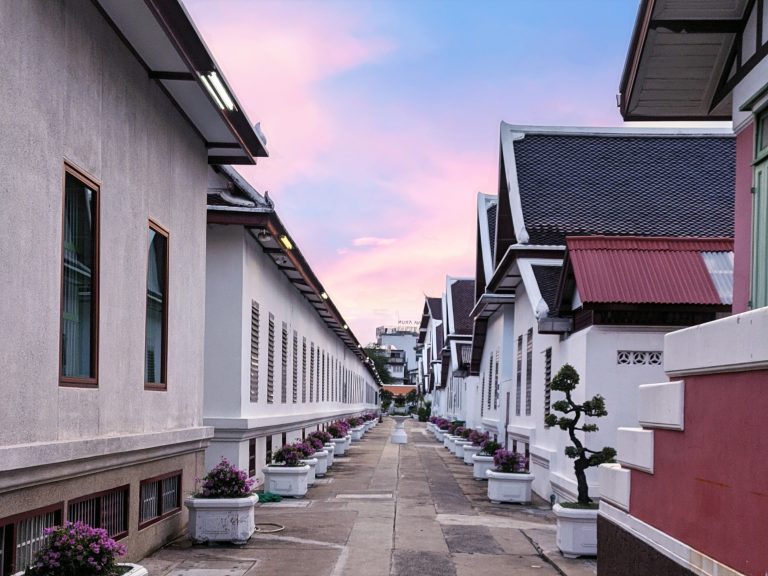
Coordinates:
column 286, row 242
column 345, row 327
column 324, row 295
column 218, row 91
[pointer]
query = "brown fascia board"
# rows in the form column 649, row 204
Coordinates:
column 272, row 223
column 566, row 285
column 181, row 31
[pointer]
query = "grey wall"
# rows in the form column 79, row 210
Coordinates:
column 70, row 90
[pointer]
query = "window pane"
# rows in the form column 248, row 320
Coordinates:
column 79, row 276
column 154, row 370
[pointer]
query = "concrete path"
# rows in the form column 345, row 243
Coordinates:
column 388, row 510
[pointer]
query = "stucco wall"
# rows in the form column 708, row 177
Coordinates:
column 72, row 91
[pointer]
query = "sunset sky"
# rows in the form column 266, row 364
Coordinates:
column 382, row 119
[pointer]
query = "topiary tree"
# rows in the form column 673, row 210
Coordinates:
column 566, row 381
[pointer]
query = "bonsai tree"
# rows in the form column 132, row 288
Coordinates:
column 386, row 399
column 412, row 397
column 400, row 401
column 566, row 381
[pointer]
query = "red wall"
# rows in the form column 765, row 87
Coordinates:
column 710, row 487
column 742, row 246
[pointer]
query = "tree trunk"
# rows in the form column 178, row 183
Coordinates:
column 581, row 478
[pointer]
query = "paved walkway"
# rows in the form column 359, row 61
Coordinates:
column 388, row 510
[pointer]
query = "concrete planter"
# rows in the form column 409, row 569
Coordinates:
column 509, row 487
column 348, row 440
column 460, row 445
column 340, row 445
column 331, row 449
column 312, row 463
column 322, row 463
column 430, row 427
column 447, row 440
column 439, row 434
column 286, row 480
column 399, row 435
column 576, row 531
column 469, row 451
column 221, row 519
column 357, row 433
column 481, row 464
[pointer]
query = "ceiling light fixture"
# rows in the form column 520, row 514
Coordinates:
column 286, row 242
column 218, row 91
column 324, row 295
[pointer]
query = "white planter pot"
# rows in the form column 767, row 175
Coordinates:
column 576, row 531
column 439, row 434
column 460, row 445
column 322, row 463
column 340, row 445
column 357, row 433
column 469, row 451
column 136, row 570
column 508, row 487
column 430, row 427
column 399, row 435
column 312, row 463
column 447, row 440
column 286, row 480
column 348, row 440
column 331, row 449
column 221, row 519
column 481, row 464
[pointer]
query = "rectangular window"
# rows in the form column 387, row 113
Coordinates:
column 284, row 365
column 303, row 370
column 519, row 381
column 322, row 376
column 295, row 374
column 108, row 510
column 528, row 371
column 159, row 498
column 22, row 536
column 269, row 449
column 311, row 372
column 547, row 380
column 271, row 360
column 252, row 457
column 254, row 385
column 482, row 393
column 490, row 380
column 79, row 330
column 156, row 341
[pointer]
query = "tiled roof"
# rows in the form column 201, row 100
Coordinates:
column 548, row 279
column 463, row 300
column 492, row 209
column 435, row 307
column 585, row 184
column 652, row 270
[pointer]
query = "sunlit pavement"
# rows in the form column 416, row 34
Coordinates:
column 387, row 510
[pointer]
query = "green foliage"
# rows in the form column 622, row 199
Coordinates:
column 386, row 399
column 412, row 397
column 380, row 358
column 566, row 381
column 489, row 447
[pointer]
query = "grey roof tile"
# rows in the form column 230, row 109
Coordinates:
column 463, row 299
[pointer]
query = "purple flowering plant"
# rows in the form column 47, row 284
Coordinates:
column 510, row 462
column 477, row 438
column 321, row 435
column 77, row 549
column 305, row 448
column 289, row 455
column 337, row 430
column 226, row 481
column 315, row 443
column 489, row 447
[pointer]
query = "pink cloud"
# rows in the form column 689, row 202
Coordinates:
column 371, row 241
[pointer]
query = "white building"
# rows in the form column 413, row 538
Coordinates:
column 536, row 314
column 279, row 359
column 429, row 346
column 108, row 130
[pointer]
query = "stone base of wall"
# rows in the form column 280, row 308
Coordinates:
column 621, row 554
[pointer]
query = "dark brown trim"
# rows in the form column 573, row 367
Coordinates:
column 691, row 26
column 233, row 145
column 126, row 488
column 86, row 179
column 164, row 75
column 163, row 384
column 163, row 515
column 9, row 562
column 634, row 54
column 215, row 160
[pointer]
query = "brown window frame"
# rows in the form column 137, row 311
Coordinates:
column 92, row 183
column 161, row 386
column 163, row 515
column 126, row 488
column 251, row 457
column 9, row 562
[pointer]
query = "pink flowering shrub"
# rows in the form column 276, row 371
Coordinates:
column 77, row 550
column 315, row 443
column 510, row 462
column 321, row 435
column 289, row 455
column 337, row 430
column 225, row 481
column 477, row 438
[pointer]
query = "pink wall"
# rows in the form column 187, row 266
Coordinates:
column 710, row 487
column 742, row 246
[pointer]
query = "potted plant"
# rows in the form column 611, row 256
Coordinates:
column 441, row 428
column 77, row 549
column 476, row 439
column 462, row 441
column 400, row 408
column 483, row 460
column 308, row 457
column 356, row 427
column 509, row 480
column 323, row 439
column 287, row 475
column 338, row 437
column 577, row 521
column 222, row 508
